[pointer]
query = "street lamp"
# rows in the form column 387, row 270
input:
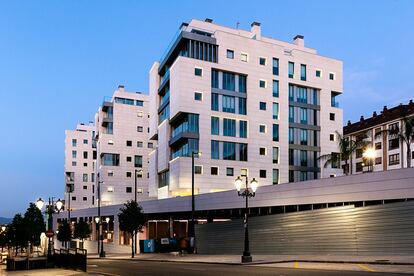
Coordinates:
column 369, row 154
column 100, row 239
column 192, row 228
column 107, row 220
column 39, row 203
column 135, row 198
column 246, row 193
column 3, row 228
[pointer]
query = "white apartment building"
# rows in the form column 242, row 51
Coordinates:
column 389, row 152
column 123, row 147
column 80, row 160
column 252, row 105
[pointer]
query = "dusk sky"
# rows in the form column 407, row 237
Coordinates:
column 58, row 59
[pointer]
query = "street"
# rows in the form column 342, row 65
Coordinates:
column 135, row 267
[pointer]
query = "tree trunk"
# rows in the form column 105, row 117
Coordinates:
column 346, row 167
column 132, row 245
column 409, row 155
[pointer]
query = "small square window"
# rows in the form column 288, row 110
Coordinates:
column 110, row 142
column 262, row 83
column 378, row 145
column 85, row 187
column 129, row 190
column 74, row 163
column 85, row 164
column 230, row 171
column 230, row 54
column 129, row 143
column 332, row 116
column 332, row 137
column 318, row 73
column 129, row 159
column 214, row 171
column 139, row 103
column 262, row 151
column 262, row 106
column 140, row 190
column 110, row 173
column 139, row 144
column 85, row 141
column 198, row 96
column 262, row 128
column 140, row 114
column 110, row 189
column 198, row 169
column 262, row 61
column 140, row 129
column 128, row 174
column 198, row 72
column 74, row 198
column 262, row 173
column 244, row 172
column 244, row 57
column 150, row 145
column 331, row 76
column 84, row 198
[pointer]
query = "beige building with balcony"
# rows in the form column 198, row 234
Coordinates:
column 252, row 105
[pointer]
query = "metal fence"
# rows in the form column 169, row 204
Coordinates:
column 375, row 230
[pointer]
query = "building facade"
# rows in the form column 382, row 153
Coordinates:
column 389, row 151
column 251, row 105
column 80, row 164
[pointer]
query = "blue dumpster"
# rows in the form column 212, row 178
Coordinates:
column 149, row 246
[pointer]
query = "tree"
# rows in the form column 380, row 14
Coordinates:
column 64, row 234
column 17, row 232
column 347, row 147
column 405, row 134
column 82, row 230
column 35, row 224
column 131, row 220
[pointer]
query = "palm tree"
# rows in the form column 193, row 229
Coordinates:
column 405, row 135
column 347, row 147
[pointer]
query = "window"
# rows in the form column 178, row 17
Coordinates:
column 92, row 177
column 275, row 111
column 331, row 76
column 315, row 96
column 230, row 171
column 214, row 101
column 242, row 83
column 214, row 171
column 214, row 78
column 291, row 157
column 262, row 106
column 242, row 129
column 262, row 83
column 74, row 142
column 150, row 145
column 243, row 172
column 74, row 198
column 358, row 153
column 378, row 145
column 302, row 95
column 228, row 104
column 198, row 72
column 198, row 96
column 378, row 160
column 275, row 155
column 229, row 81
column 303, row 115
column 262, row 173
column 215, row 126
column 74, row 154
column 244, row 57
column 291, row 69
column 275, row 132
column 128, row 174
column 215, row 149
column 229, row 127
column 303, row 72
column 85, row 141
column 85, row 164
column 230, row 54
column 140, row 114
column 331, row 137
column 85, row 177
column 242, row 152
column 262, row 61
column 262, row 128
column 275, row 66
column 229, row 151
column 110, row 142
column 140, row 129
column 128, row 190
column 198, row 169
column 140, row 190
column 110, row 173
column 139, row 103
column 303, row 176
column 139, row 144
column 129, row 143
column 109, row 159
column 394, row 159
column 291, row 176
column 332, row 116
column 262, row 151
column 138, row 161
column 275, row 88
column 377, row 131
column 318, row 73
column 359, row 167
column 303, row 158
column 275, row 176
column 291, row 135
column 74, row 163
column 394, row 143
column 242, row 106
column 85, row 187
column 303, row 137
column 291, row 114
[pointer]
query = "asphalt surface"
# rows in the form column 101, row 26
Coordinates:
column 135, row 267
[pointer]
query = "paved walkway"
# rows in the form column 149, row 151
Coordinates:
column 266, row 259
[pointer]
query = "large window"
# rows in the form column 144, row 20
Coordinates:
column 185, row 149
column 243, row 152
column 291, row 92
column 275, row 67
column 394, row 159
column 229, row 127
column 275, row 111
column 229, row 81
column 214, row 78
column 394, row 143
column 163, row 179
column 275, row 155
column 215, row 126
column 138, row 161
column 303, row 158
column 215, row 149
column 291, row 69
column 242, row 83
column 275, row 88
column 188, row 124
column 291, row 135
column 275, row 176
column 243, row 129
column 275, row 132
column 303, row 72
column 229, row 151
column 303, row 137
column 228, row 104
column 303, row 115
column 214, row 101
column 291, row 114
column 110, row 159
column 302, row 95
column 242, row 106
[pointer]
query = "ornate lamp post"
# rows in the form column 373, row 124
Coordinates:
column 246, row 193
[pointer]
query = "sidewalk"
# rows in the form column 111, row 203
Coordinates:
column 264, row 259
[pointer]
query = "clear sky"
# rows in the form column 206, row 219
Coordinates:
column 58, row 59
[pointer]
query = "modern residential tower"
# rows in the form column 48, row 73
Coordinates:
column 251, row 105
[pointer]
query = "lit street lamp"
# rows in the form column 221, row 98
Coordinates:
column 246, row 193
column 369, row 154
column 100, row 239
column 192, row 226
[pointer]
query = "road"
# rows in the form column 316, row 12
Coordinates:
column 135, row 267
